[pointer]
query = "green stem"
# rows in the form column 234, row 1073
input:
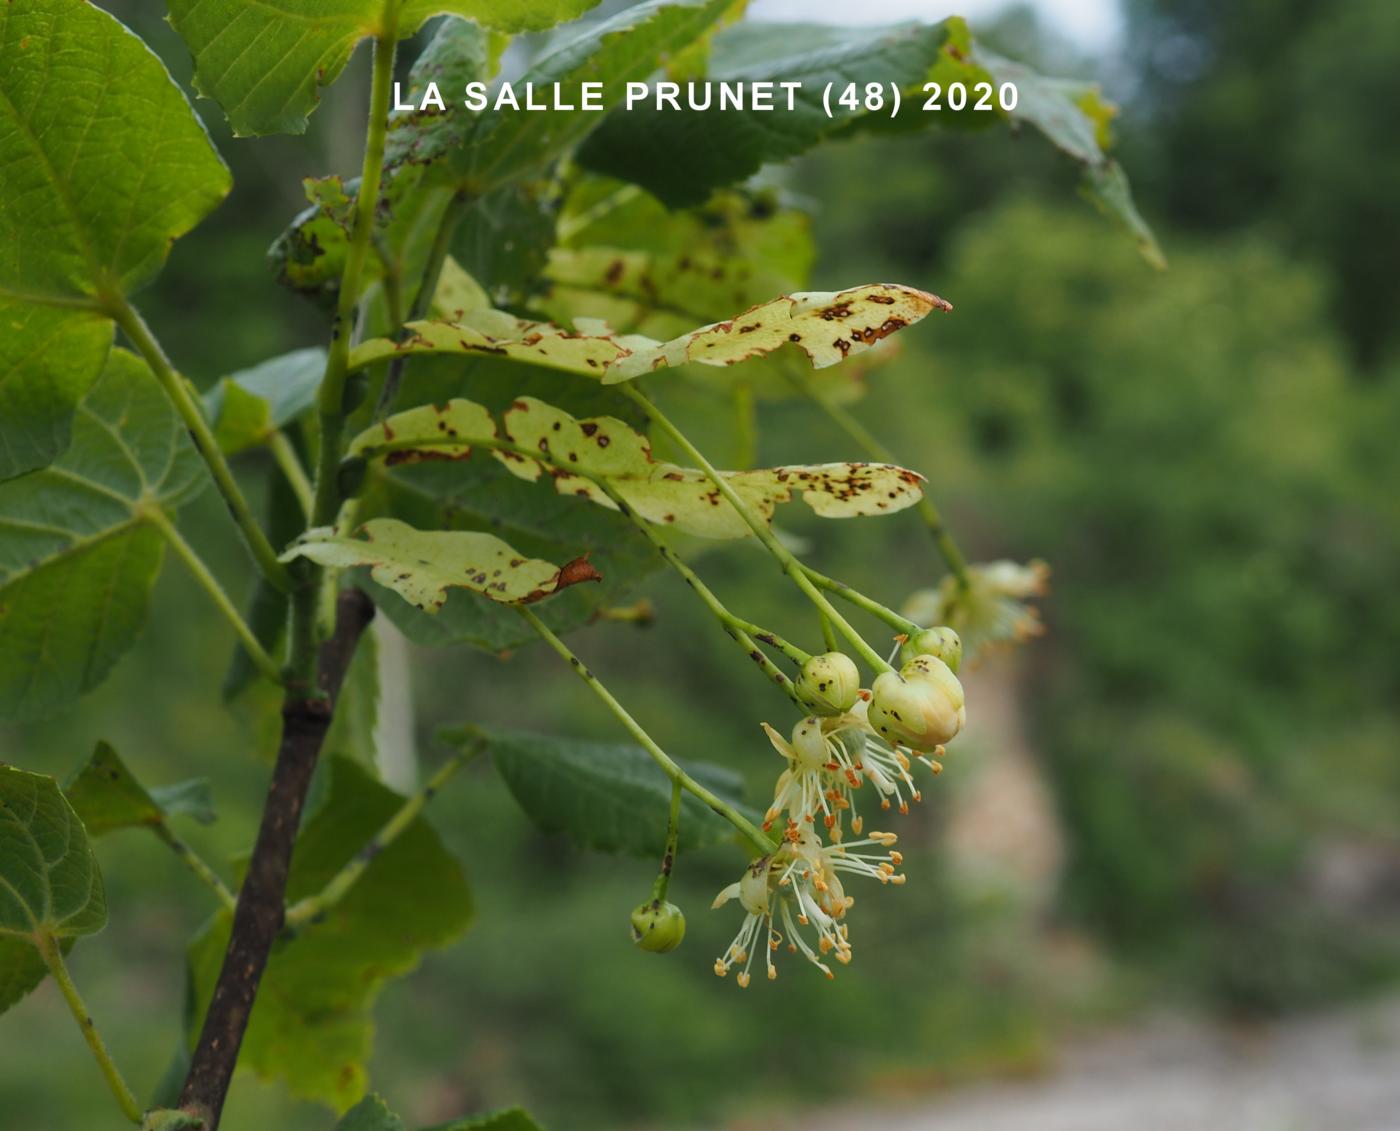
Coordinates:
column 861, row 601
column 52, row 955
column 634, row 728
column 829, row 634
column 876, row 450
column 290, row 465
column 206, row 874
column 311, row 908
column 673, row 838
column 178, row 391
column 210, row 584
column 331, row 400
column 791, row 566
column 392, row 280
column 422, row 298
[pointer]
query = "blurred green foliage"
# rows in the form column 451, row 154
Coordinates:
column 1196, row 453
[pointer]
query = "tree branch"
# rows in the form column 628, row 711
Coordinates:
column 257, row 920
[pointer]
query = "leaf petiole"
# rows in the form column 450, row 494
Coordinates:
column 210, row 584
column 311, row 908
column 668, row 765
column 52, row 955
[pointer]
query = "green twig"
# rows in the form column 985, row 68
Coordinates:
column 861, row 601
column 52, row 955
column 876, row 450
column 791, row 566
column 634, row 728
column 331, row 400
column 311, row 908
column 210, row 584
column 422, row 298
column 290, row 465
column 745, row 426
column 192, row 860
column 673, row 838
column 178, row 391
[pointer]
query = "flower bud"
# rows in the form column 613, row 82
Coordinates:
column 808, row 744
column 942, row 642
column 920, row 706
column 658, row 926
column 828, row 684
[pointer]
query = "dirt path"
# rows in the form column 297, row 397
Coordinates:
column 1339, row 1072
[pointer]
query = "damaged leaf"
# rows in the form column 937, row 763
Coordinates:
column 828, row 326
column 422, row 565
column 606, row 461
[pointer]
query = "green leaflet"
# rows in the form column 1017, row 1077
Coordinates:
column 422, row 565
column 506, row 1119
column 608, row 796
column 312, row 1024
column 373, row 1114
column 105, row 164
column 265, row 63
column 78, row 553
column 50, row 885
column 106, row 796
column 681, row 156
column 370, row 1114
column 581, row 456
column 828, row 326
column 246, row 407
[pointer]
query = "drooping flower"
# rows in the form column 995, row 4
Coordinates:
column 799, row 889
column 991, row 609
column 920, row 706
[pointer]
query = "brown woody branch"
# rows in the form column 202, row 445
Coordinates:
column 257, row 920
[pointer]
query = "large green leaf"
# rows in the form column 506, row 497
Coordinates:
column 246, row 407
column 608, row 796
column 682, row 156
column 265, row 62
column 78, row 552
column 312, row 1024
column 107, row 797
column 105, row 164
column 483, row 151
column 50, row 886
column 599, row 457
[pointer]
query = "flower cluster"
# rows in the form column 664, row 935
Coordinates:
column 993, row 606
column 856, row 738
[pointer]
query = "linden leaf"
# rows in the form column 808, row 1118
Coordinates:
column 50, row 885
column 79, row 553
column 107, row 797
column 607, row 796
column 104, row 165
column 422, row 565
column 265, row 63
column 827, row 326
column 246, row 407
column 312, row 1024
column 498, row 334
column 602, row 457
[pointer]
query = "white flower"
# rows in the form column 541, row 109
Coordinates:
column 991, row 609
column 797, row 889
